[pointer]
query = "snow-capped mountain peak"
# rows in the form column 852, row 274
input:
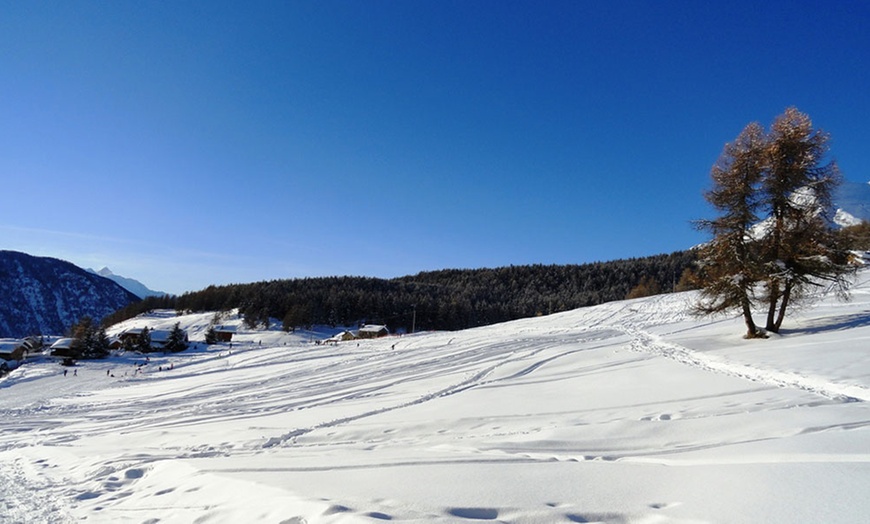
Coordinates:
column 132, row 285
column 852, row 200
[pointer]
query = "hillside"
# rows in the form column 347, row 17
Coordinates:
column 46, row 296
column 447, row 299
column 627, row 412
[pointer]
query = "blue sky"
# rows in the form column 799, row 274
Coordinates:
column 194, row 143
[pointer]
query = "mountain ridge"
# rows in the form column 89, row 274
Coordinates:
column 130, row 284
column 852, row 203
column 46, row 296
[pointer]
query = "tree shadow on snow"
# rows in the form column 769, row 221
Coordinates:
column 828, row 324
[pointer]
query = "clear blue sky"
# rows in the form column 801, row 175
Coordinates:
column 194, row 143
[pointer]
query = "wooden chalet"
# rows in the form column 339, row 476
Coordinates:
column 224, row 333
column 372, row 331
column 12, row 350
column 132, row 333
column 65, row 348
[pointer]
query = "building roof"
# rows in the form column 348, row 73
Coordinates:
column 159, row 335
column 372, row 328
column 344, row 335
column 63, row 343
column 8, row 345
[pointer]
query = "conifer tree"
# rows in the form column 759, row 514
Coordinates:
column 800, row 248
column 143, row 341
column 729, row 263
column 89, row 340
column 129, row 344
column 177, row 340
column 210, row 336
column 98, row 345
column 647, row 287
column 688, row 280
column 777, row 176
column 856, row 237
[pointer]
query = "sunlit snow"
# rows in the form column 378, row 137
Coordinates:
column 628, row 412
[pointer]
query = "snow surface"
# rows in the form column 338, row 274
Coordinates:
column 628, row 412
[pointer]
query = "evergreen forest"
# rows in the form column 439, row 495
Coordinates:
column 449, row 299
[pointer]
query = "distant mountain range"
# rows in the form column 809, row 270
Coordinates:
column 132, row 285
column 41, row 295
column 852, row 201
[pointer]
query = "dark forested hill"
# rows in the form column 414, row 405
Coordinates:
column 445, row 300
column 47, row 296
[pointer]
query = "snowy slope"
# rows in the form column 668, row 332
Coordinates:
column 629, row 412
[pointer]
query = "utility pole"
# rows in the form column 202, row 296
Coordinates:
column 414, row 318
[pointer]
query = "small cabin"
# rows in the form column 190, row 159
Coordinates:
column 66, row 348
column 344, row 336
column 33, row 345
column 12, row 350
column 130, row 334
column 224, row 333
column 159, row 338
column 372, row 331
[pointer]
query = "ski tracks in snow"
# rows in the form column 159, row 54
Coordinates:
column 646, row 342
column 474, row 380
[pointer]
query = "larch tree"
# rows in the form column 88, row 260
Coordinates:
column 647, row 287
column 91, row 340
column 799, row 246
column 729, row 263
column 773, row 236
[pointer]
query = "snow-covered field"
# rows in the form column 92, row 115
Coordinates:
column 629, row 412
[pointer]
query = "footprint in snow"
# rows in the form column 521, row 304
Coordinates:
column 474, row 513
column 134, row 473
column 378, row 515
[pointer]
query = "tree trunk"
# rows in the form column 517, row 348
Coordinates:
column 751, row 328
column 771, row 310
column 783, row 305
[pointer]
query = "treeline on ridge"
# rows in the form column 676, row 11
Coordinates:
column 448, row 299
